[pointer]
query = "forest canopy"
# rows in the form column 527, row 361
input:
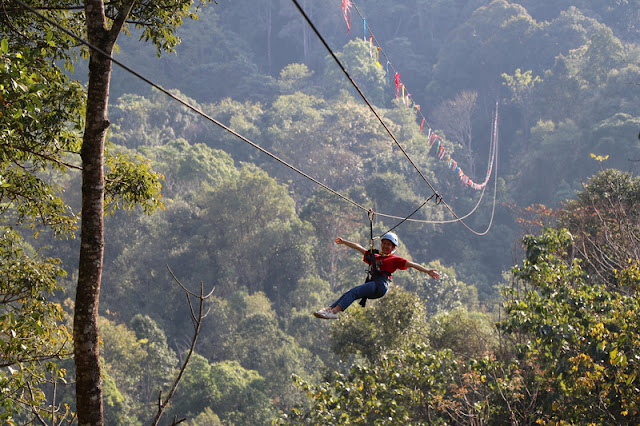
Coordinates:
column 521, row 116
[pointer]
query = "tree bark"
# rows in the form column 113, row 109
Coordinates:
column 85, row 326
column 102, row 38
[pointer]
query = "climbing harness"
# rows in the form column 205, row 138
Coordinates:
column 374, row 272
column 371, row 254
column 370, row 257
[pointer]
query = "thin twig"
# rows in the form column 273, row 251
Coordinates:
column 197, row 320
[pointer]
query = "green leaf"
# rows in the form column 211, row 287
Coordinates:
column 631, row 379
column 613, row 356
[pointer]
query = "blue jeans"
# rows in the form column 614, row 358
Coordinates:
column 370, row 290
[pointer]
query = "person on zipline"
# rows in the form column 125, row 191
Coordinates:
column 387, row 263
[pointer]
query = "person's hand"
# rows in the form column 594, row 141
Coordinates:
column 433, row 273
column 339, row 240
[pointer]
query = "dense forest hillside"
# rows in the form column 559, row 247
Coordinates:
column 505, row 131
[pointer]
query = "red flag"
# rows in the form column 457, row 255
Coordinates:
column 422, row 125
column 346, row 13
column 397, row 84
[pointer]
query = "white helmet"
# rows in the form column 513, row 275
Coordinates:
column 391, row 237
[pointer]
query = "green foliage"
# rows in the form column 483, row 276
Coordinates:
column 234, row 394
column 39, row 113
column 253, row 221
column 215, row 51
column 243, row 394
column 130, row 184
column 520, row 85
column 187, row 167
column 469, row 335
column 294, row 78
column 548, row 140
column 250, row 219
column 153, row 341
column 310, row 292
column 603, row 53
column 611, row 134
column 41, row 36
column 473, row 48
column 32, row 327
column 359, row 60
column 330, row 218
column 198, row 388
column 391, row 322
column 246, row 118
column 160, row 23
column 581, row 338
column 116, row 407
column 298, row 118
column 442, row 294
column 311, row 334
column 150, row 121
column 245, row 329
column 259, row 344
column 604, row 221
column 393, row 194
column 128, row 355
column 402, row 387
column 205, row 418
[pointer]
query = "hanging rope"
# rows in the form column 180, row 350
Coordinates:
column 372, row 252
column 248, row 141
column 407, row 99
column 438, row 201
column 400, row 87
column 373, row 110
column 493, row 151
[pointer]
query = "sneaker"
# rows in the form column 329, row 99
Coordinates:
column 325, row 313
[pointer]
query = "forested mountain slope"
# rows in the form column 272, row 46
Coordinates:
column 553, row 339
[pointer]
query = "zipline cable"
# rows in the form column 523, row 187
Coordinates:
column 367, row 29
column 243, row 138
column 348, row 4
column 458, row 219
column 344, row 70
column 191, row 107
column 492, row 150
column 493, row 137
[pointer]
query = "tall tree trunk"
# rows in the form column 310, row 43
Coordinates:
column 85, row 326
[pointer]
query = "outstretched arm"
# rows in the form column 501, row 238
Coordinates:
column 432, row 272
column 355, row 246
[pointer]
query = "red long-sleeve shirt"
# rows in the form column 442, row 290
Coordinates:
column 389, row 263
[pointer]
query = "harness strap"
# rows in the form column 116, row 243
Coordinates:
column 373, row 267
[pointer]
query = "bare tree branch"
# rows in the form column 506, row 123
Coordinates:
column 197, row 318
